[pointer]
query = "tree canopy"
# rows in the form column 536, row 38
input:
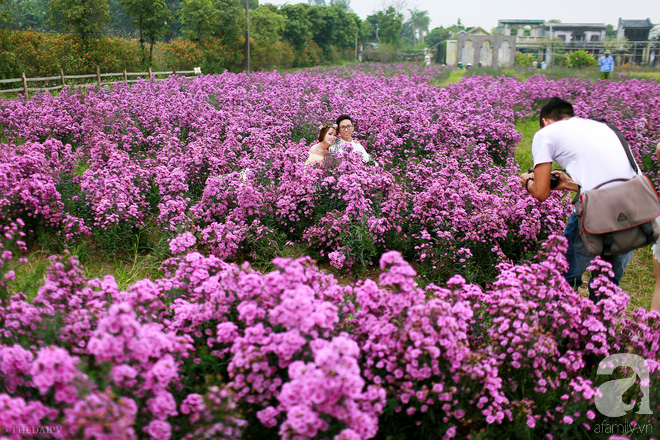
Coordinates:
column 86, row 18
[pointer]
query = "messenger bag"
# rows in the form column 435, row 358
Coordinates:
column 618, row 218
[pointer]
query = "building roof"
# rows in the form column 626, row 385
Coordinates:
column 478, row 30
column 644, row 24
column 575, row 25
column 519, row 21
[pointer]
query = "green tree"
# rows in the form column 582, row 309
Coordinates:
column 24, row 14
column 333, row 28
column 120, row 23
column 437, row 35
column 419, row 24
column 5, row 19
column 199, row 19
column 610, row 31
column 174, row 30
column 266, row 24
column 297, row 26
column 231, row 20
column 86, row 18
column 389, row 24
column 150, row 17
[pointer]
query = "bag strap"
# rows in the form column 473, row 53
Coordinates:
column 624, row 143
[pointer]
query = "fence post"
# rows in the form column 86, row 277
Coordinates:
column 125, row 76
column 25, row 89
column 62, row 76
column 173, row 71
column 150, row 74
column 98, row 75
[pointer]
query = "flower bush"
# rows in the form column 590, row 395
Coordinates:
column 217, row 349
column 469, row 332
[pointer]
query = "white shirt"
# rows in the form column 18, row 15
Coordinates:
column 341, row 144
column 588, row 150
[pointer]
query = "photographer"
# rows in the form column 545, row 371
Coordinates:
column 592, row 154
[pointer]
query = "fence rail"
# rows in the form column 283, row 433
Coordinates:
column 62, row 79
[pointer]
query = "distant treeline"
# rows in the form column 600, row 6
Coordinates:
column 41, row 37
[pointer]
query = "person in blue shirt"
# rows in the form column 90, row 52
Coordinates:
column 606, row 65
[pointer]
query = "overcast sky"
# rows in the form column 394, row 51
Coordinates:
column 485, row 13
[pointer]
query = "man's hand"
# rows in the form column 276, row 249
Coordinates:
column 524, row 177
column 565, row 182
column 539, row 188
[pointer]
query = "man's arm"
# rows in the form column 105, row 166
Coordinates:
column 538, row 182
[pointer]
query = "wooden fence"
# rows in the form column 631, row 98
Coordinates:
column 101, row 79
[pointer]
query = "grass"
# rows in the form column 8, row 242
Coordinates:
column 454, row 77
column 645, row 75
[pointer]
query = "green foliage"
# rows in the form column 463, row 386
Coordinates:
column 297, row 25
column 44, row 54
column 231, row 21
column 86, row 18
column 221, row 55
column 524, row 60
column 198, row 19
column 333, row 30
column 24, row 14
column 307, row 55
column 417, row 24
column 390, row 23
column 266, row 25
column 436, row 35
column 183, row 54
column 120, row 23
column 386, row 53
column 150, row 18
column 580, row 59
column 610, row 31
column 267, row 55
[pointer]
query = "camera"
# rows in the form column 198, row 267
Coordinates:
column 554, row 179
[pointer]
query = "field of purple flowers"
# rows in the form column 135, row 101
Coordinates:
column 469, row 332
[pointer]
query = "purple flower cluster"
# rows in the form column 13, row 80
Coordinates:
column 310, row 358
column 221, row 158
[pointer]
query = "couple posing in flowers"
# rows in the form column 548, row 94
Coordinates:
column 328, row 140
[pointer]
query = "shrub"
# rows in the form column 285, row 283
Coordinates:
column 386, row 53
column 307, row 55
column 219, row 56
column 580, row 59
column 524, row 59
column 266, row 55
column 183, row 54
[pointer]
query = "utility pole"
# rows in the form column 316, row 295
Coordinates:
column 247, row 36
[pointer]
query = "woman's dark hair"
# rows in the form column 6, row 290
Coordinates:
column 556, row 109
column 324, row 129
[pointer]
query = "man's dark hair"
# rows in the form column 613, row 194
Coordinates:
column 556, row 109
column 343, row 118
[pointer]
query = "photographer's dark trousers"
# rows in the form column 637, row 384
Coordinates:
column 579, row 259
